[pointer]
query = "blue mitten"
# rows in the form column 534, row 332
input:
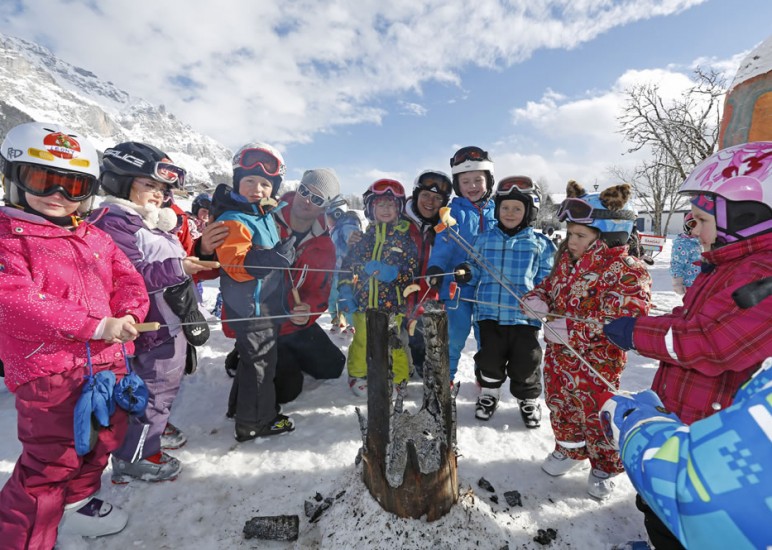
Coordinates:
column 131, row 394
column 621, row 413
column 346, row 301
column 620, row 332
column 383, row 272
column 93, row 410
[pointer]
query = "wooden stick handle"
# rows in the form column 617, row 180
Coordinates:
column 147, row 327
column 296, row 296
column 205, row 263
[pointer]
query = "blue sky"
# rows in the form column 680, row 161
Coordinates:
column 377, row 89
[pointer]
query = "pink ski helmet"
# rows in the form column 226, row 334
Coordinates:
column 739, row 180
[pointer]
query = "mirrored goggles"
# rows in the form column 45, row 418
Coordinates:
column 580, row 211
column 312, row 197
column 42, row 181
column 523, row 183
column 383, row 187
column 169, row 173
column 249, row 158
column 435, row 184
column 468, row 153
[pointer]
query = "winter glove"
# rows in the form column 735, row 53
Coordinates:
column 191, row 359
column 620, row 414
column 678, row 286
column 93, row 410
column 346, row 301
column 280, row 256
column 537, row 306
column 182, row 300
column 435, row 280
column 558, row 326
column 131, row 394
column 463, row 273
column 620, row 332
column 384, row 272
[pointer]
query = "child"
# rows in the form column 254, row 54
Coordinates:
column 685, row 257
column 711, row 345
column 472, row 170
column 431, row 191
column 343, row 222
column 64, row 286
column 252, row 292
column 509, row 343
column 594, row 278
column 382, row 263
column 138, row 180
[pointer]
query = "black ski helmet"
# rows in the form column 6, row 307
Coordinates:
column 517, row 186
column 203, row 200
column 132, row 159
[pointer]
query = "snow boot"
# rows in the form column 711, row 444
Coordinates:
column 486, row 403
column 158, row 467
column 599, row 484
column 530, row 410
column 557, row 464
column 358, row 386
column 92, row 517
column 172, row 438
column 279, row 425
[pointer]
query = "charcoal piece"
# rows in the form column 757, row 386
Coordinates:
column 272, row 528
column 309, row 507
column 513, row 498
column 318, row 497
column 494, row 499
column 485, row 484
column 546, row 536
column 343, row 492
column 321, row 508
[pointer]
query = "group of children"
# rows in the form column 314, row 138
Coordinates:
column 74, row 290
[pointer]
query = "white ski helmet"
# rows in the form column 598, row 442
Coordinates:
column 44, row 158
column 471, row 159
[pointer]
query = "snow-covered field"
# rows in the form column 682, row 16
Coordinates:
column 224, row 483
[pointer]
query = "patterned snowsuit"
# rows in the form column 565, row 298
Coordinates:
column 393, row 245
column 605, row 283
column 685, row 258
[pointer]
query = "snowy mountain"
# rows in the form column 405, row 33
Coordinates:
column 36, row 85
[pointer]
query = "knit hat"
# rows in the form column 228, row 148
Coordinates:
column 705, row 203
column 322, row 181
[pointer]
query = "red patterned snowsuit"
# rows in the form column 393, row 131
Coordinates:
column 604, row 284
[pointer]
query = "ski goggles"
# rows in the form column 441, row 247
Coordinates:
column 523, row 183
column 434, row 183
column 249, row 158
column 690, row 224
column 388, row 187
column 169, row 173
column 42, row 181
column 313, row 198
column 580, row 211
column 468, row 153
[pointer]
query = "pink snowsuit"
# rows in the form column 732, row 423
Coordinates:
column 55, row 287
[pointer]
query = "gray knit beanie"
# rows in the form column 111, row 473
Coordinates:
column 323, row 181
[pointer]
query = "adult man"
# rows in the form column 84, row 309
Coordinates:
column 303, row 346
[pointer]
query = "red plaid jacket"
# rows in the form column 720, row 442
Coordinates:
column 708, row 347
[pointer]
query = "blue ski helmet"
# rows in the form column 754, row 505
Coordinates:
column 609, row 211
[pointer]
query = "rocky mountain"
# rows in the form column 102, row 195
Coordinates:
column 36, row 85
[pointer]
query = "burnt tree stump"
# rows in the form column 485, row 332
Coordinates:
column 409, row 461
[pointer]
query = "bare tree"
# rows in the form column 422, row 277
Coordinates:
column 679, row 133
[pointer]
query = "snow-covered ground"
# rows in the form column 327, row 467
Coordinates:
column 224, row 483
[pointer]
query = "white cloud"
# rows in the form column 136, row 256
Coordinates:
column 287, row 70
column 414, row 109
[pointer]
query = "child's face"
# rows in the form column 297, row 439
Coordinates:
column 704, row 228
column 511, row 213
column 472, row 185
column 203, row 215
column 54, row 205
column 385, row 210
column 254, row 188
column 145, row 191
column 580, row 237
column 428, row 204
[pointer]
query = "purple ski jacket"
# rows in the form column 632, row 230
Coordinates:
column 155, row 252
column 56, row 285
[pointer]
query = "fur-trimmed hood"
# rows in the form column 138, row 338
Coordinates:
column 164, row 219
